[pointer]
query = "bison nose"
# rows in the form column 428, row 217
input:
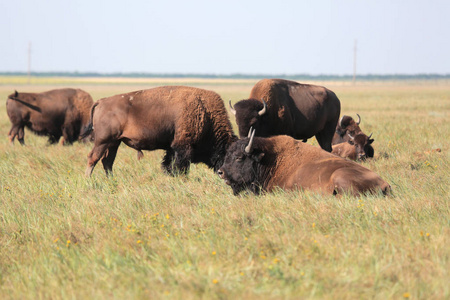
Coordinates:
column 220, row 173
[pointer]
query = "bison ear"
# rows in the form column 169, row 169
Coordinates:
column 16, row 94
column 371, row 141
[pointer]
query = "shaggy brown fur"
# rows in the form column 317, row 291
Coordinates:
column 283, row 162
column 191, row 124
column 55, row 113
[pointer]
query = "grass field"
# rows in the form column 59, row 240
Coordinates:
column 145, row 235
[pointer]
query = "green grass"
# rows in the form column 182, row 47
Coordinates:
column 142, row 234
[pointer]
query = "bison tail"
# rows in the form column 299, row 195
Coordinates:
column 90, row 127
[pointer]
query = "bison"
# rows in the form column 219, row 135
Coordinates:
column 345, row 126
column 55, row 113
column 283, row 107
column 345, row 130
column 190, row 124
column 356, row 148
column 262, row 164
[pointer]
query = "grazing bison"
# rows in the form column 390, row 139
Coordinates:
column 279, row 106
column 191, row 124
column 266, row 163
column 55, row 113
column 356, row 148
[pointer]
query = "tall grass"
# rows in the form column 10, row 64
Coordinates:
column 143, row 234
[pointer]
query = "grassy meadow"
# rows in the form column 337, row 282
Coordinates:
column 145, row 235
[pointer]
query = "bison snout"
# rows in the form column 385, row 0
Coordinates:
column 221, row 173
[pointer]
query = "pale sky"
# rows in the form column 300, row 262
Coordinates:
column 234, row 36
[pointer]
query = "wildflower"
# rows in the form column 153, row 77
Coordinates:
column 275, row 260
column 167, row 216
column 428, row 234
column 213, row 253
column 57, row 239
column 406, row 295
column 68, row 243
column 241, row 273
column 139, row 241
column 215, row 281
column 421, row 233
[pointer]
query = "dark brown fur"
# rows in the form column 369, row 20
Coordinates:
column 298, row 110
column 191, row 124
column 55, row 113
column 344, row 127
column 286, row 163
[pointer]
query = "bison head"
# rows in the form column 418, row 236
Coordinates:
column 347, row 125
column 251, row 113
column 363, row 145
column 240, row 167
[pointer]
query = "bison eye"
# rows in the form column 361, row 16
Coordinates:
column 240, row 158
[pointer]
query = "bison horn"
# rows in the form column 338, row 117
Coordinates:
column 340, row 121
column 359, row 120
column 263, row 111
column 233, row 111
column 248, row 148
column 370, row 136
column 250, row 132
column 350, row 136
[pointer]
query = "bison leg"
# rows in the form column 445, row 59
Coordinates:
column 68, row 135
column 325, row 137
column 17, row 131
column 167, row 163
column 13, row 132
column 94, row 156
column 182, row 160
column 52, row 139
column 108, row 159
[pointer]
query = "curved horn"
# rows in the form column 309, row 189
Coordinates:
column 248, row 148
column 359, row 120
column 263, row 111
column 350, row 136
column 233, row 111
column 250, row 132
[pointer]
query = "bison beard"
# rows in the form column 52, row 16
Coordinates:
column 259, row 164
column 191, row 124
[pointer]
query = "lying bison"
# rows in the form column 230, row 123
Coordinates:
column 266, row 163
column 345, row 130
column 279, row 106
column 356, row 148
column 55, row 113
column 191, row 124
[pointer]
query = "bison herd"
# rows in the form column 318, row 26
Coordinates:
column 192, row 126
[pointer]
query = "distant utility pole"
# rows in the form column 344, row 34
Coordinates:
column 354, row 62
column 29, row 62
